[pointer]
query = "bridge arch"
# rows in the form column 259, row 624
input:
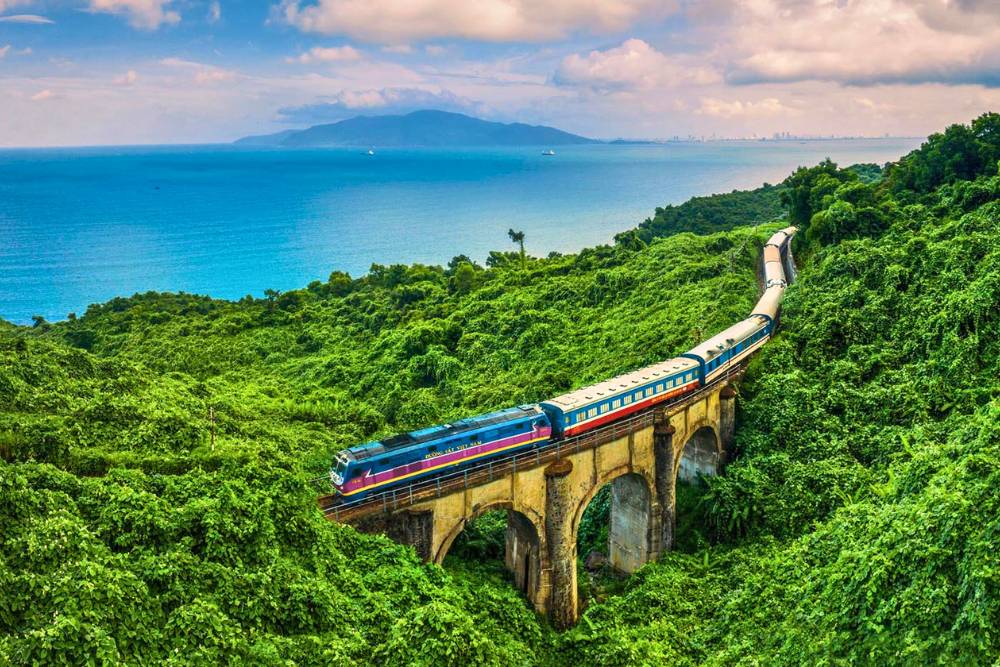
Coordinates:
column 524, row 551
column 701, row 454
column 631, row 520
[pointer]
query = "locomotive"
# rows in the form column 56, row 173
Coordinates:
column 383, row 464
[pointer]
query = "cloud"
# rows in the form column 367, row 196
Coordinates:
column 633, row 65
column 214, row 12
column 350, row 103
column 142, row 14
column 435, row 50
column 25, row 18
column 399, row 21
column 769, row 106
column 127, row 79
column 4, row 50
column 864, row 42
column 11, row 4
column 332, row 54
column 42, row 95
column 404, row 49
column 203, row 74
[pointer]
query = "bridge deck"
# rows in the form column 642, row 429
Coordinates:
column 335, row 509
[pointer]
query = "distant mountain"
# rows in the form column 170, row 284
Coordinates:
column 265, row 139
column 420, row 128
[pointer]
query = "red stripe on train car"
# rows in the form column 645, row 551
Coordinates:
column 629, row 409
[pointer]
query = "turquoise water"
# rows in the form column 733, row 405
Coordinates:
column 79, row 226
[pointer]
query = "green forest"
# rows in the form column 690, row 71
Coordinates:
column 162, row 453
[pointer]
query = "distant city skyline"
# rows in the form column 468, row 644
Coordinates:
column 88, row 72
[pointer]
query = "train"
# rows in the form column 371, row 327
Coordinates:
column 402, row 459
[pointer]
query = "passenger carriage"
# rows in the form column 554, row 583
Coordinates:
column 598, row 404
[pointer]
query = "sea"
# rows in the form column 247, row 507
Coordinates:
column 83, row 225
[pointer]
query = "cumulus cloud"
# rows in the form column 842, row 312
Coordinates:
column 25, row 18
column 399, row 21
column 42, row 95
column 331, row 54
column 865, row 42
column 4, row 50
column 633, row 65
column 142, row 14
column 769, row 106
column 203, row 74
column 214, row 12
column 349, row 103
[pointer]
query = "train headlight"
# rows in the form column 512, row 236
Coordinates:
column 336, row 479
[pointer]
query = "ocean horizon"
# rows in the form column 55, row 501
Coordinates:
column 84, row 225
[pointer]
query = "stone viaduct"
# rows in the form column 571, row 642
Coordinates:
column 546, row 493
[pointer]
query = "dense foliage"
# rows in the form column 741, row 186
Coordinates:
column 156, row 502
column 155, row 496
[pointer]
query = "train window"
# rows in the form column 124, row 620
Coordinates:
column 617, row 403
column 627, row 399
column 604, row 408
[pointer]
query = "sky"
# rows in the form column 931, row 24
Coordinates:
column 92, row 72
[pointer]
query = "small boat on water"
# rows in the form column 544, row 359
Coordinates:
column 549, row 152
column 371, row 151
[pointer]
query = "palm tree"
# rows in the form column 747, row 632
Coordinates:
column 518, row 237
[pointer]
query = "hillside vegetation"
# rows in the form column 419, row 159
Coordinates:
column 156, row 495
column 157, row 505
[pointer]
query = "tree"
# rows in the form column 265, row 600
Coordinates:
column 464, row 279
column 806, row 188
column 518, row 238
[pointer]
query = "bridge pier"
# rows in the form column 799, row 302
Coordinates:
column 412, row 527
column 559, row 506
column 629, row 532
column 727, row 421
column 522, row 557
column 663, row 455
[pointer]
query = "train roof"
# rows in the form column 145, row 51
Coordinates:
column 621, row 384
column 376, row 447
column 782, row 235
column 770, row 301
column 723, row 340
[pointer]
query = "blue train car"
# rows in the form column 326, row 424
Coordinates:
column 720, row 352
column 598, row 404
column 404, row 458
